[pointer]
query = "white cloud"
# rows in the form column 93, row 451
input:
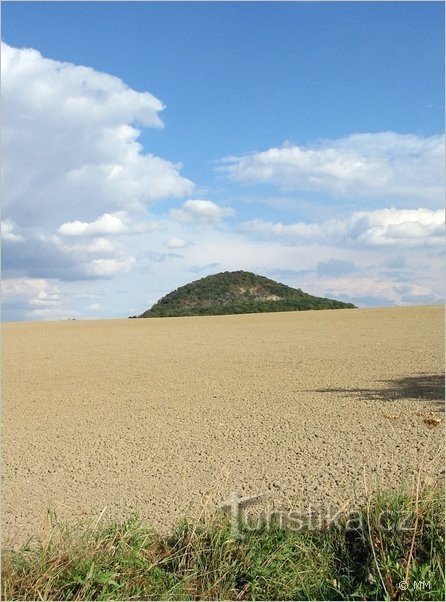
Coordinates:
column 383, row 227
column 8, row 232
column 103, row 247
column 96, row 306
column 392, row 227
column 206, row 212
column 70, row 143
column 51, row 256
column 108, row 267
column 176, row 243
column 383, row 165
column 38, row 299
column 33, row 291
column 45, row 298
column 105, row 224
column 71, row 154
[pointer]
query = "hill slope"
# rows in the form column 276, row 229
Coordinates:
column 236, row 293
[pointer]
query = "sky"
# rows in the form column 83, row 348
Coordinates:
column 149, row 144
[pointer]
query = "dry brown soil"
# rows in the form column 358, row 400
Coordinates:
column 162, row 415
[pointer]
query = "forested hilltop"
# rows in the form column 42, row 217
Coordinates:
column 237, row 293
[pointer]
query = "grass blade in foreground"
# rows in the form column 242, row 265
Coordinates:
column 353, row 560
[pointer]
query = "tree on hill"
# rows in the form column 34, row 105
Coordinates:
column 236, row 293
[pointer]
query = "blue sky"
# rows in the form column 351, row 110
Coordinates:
column 310, row 138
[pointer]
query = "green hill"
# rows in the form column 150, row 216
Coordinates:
column 237, row 293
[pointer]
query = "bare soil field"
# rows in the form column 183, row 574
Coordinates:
column 159, row 416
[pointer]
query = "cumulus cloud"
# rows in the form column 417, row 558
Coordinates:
column 383, row 165
column 49, row 256
column 206, row 212
column 105, row 224
column 392, row 227
column 70, row 154
column 108, row 267
column 8, row 233
column 70, row 143
column 45, row 298
column 34, row 289
column 26, row 296
column 383, row 227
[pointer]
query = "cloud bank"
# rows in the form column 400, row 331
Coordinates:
column 384, row 165
column 70, row 143
column 383, row 227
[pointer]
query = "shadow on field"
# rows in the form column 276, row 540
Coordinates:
column 422, row 387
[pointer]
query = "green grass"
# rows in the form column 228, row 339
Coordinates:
column 362, row 557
